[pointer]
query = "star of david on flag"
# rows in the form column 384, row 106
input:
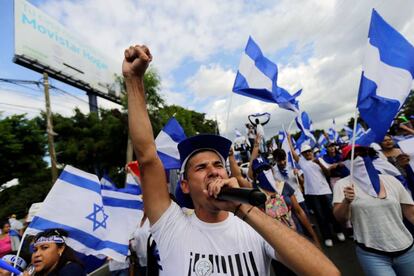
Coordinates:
column 99, row 220
column 98, row 217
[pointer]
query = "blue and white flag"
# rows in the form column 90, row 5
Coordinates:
column 132, row 185
column 304, row 123
column 333, row 135
column 360, row 131
column 285, row 146
column 322, row 140
column 257, row 78
column 365, row 175
column 107, row 183
column 100, row 222
column 167, row 142
column 387, row 76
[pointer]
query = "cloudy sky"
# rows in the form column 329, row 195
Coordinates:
column 197, row 45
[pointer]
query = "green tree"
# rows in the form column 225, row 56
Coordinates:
column 91, row 142
column 22, row 149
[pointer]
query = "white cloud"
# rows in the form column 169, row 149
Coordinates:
column 210, row 81
column 332, row 34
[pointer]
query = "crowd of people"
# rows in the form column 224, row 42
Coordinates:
column 311, row 201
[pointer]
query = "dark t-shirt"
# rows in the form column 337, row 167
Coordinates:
column 71, row 269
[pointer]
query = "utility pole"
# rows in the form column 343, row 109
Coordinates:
column 49, row 129
column 130, row 150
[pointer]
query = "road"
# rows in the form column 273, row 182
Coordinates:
column 343, row 256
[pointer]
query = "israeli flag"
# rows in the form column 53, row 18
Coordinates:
column 257, row 78
column 107, row 183
column 99, row 222
column 387, row 76
column 167, row 142
column 132, row 185
column 304, row 123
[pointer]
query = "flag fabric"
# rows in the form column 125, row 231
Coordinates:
column 132, row 185
column 365, row 175
column 284, row 144
column 99, row 221
column 274, row 145
column 387, row 76
column 333, row 135
column 322, row 140
column 257, row 78
column 360, row 131
column 106, row 182
column 366, row 138
column 167, row 142
column 304, row 123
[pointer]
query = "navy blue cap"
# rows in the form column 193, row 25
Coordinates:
column 191, row 145
column 260, row 164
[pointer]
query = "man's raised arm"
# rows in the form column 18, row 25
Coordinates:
column 153, row 178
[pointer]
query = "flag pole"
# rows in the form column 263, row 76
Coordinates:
column 20, row 249
column 228, row 113
column 290, row 125
column 353, row 145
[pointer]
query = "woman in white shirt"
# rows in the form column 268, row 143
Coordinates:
column 375, row 204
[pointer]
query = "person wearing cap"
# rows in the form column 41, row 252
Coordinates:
column 375, row 204
column 21, row 264
column 211, row 241
column 318, row 192
column 52, row 256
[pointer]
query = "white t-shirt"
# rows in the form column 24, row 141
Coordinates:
column 291, row 180
column 189, row 246
column 140, row 242
column 315, row 181
column 260, row 130
column 15, row 224
column 378, row 222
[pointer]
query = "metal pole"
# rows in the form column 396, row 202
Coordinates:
column 93, row 102
column 49, row 129
column 353, row 145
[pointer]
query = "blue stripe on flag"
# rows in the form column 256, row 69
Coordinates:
column 174, row 130
column 79, row 181
column 393, row 48
column 267, row 67
column 242, row 87
column 168, row 161
column 85, row 238
column 132, row 189
column 125, row 203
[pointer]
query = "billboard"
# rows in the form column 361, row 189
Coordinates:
column 43, row 44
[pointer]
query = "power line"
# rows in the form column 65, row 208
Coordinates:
column 21, row 106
